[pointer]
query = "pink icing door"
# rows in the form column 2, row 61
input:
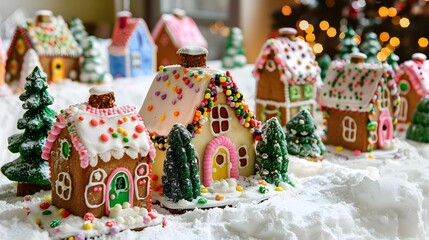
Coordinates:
column 385, row 128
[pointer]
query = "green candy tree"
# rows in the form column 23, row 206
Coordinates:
column 29, row 169
column 301, row 137
column 93, row 69
column 272, row 155
column 347, row 45
column 419, row 127
column 370, row 46
column 234, row 50
column 324, row 62
column 78, row 30
column 393, row 60
column 181, row 178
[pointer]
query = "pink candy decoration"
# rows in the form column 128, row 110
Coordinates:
column 146, row 219
column 88, row 217
column 357, row 152
column 141, row 171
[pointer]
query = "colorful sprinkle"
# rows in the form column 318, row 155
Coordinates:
column 204, row 190
column 81, row 118
column 239, row 188
column 55, row 223
column 87, row 225
column 202, row 200
column 104, row 137
column 135, row 135
column 357, row 152
column 65, row 213
column 47, row 212
column 88, row 217
column 219, row 197
column 120, row 121
column 93, row 122
column 102, row 121
column 44, row 205
column 149, row 108
column 263, row 189
column 114, row 135
column 176, row 113
column 339, row 149
column 111, row 129
column 162, row 117
column 120, row 130
column 125, row 139
column 278, row 189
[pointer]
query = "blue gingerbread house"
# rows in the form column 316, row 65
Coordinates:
column 132, row 52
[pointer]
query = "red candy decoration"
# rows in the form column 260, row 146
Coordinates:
column 44, row 205
column 135, row 135
column 155, row 177
column 104, row 137
column 110, row 223
column 134, row 117
column 120, row 121
column 94, row 122
column 179, row 90
column 111, row 129
column 139, row 128
column 65, row 214
column 81, row 118
column 151, row 215
column 102, row 121
column 88, row 217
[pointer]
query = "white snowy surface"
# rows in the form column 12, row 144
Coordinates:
column 360, row 198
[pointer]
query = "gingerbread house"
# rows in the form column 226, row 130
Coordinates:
column 360, row 104
column 412, row 79
column 286, row 72
column 174, row 31
column 99, row 156
column 132, row 52
column 212, row 107
column 4, row 89
column 50, row 37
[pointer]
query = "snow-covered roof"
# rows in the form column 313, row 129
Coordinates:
column 182, row 95
column 52, row 39
column 294, row 59
column 417, row 70
column 182, row 30
column 353, row 86
column 121, row 36
column 104, row 133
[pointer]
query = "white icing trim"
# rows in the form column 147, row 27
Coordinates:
column 220, row 119
column 138, row 177
column 349, row 129
column 272, row 64
column 419, row 56
column 244, row 157
column 64, row 187
column 192, row 50
column 92, row 183
column 100, row 90
column 403, row 109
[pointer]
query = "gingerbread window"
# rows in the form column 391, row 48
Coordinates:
column 384, row 101
column 136, row 61
column 243, row 156
column 294, row 92
column 220, row 120
column 308, row 91
column 403, row 109
column 349, row 129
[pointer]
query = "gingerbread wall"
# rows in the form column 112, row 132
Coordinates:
column 70, row 63
column 18, row 57
column 80, row 178
column 412, row 97
column 166, row 54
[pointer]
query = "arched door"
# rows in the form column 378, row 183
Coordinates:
column 385, row 128
column 57, row 69
column 220, row 164
column 120, row 188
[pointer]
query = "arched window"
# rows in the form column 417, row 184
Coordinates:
column 349, row 129
column 220, row 120
column 403, row 109
column 243, row 156
column 384, row 101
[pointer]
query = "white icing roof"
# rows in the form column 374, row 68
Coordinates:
column 192, row 50
column 100, row 90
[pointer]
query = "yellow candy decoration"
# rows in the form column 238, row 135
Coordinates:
column 239, row 188
column 204, row 190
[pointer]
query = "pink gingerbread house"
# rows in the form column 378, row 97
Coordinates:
column 174, row 31
column 412, row 79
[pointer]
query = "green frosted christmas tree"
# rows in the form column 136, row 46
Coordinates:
column 271, row 154
column 324, row 63
column 78, row 30
column 234, row 50
column 301, row 137
column 181, row 178
column 419, row 127
column 393, row 60
column 29, row 169
column 347, row 45
column 93, row 69
column 370, row 46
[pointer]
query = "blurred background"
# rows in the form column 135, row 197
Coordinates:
column 399, row 24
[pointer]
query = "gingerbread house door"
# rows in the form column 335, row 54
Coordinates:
column 57, row 69
column 385, row 129
column 120, row 188
column 220, row 160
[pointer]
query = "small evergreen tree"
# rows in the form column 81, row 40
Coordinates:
column 271, row 154
column 419, row 127
column 78, row 30
column 234, row 50
column 181, row 178
column 393, row 60
column 301, row 137
column 31, row 60
column 29, row 167
column 370, row 46
column 93, row 68
column 348, row 44
column 324, row 63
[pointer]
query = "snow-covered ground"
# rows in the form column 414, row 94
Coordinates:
column 384, row 197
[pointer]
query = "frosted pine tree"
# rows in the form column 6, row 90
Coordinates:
column 271, row 154
column 393, row 60
column 29, row 169
column 324, row 63
column 31, row 60
column 234, row 50
column 181, row 178
column 93, row 68
column 301, row 137
column 370, row 46
column 419, row 127
column 347, row 45
column 78, row 30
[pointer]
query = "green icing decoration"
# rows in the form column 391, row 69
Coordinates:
column 119, row 189
column 202, row 200
column 65, row 148
column 115, row 135
column 181, row 178
column 36, row 122
column 301, row 137
column 55, row 223
column 294, row 92
column 271, row 154
column 419, row 127
column 403, row 86
column 47, row 212
column 125, row 139
column 263, row 189
column 308, row 91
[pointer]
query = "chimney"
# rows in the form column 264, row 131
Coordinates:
column 43, row 16
column 193, row 56
column 419, row 57
column 357, row 57
column 123, row 17
column 179, row 13
column 288, row 32
column 101, row 97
